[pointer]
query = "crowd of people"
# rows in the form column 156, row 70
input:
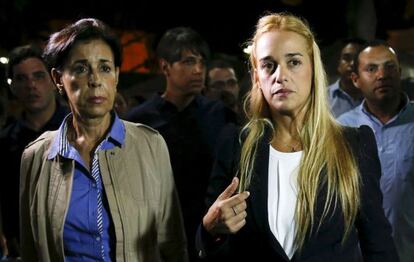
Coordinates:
column 290, row 168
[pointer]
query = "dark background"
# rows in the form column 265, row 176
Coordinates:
column 226, row 25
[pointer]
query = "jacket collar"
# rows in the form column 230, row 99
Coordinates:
column 60, row 144
column 259, row 192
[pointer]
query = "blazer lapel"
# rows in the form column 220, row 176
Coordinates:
column 259, row 192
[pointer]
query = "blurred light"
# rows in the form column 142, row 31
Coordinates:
column 4, row 60
column 9, row 81
column 248, row 49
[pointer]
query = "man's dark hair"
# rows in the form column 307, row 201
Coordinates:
column 353, row 40
column 60, row 43
column 217, row 63
column 176, row 40
column 356, row 42
column 21, row 53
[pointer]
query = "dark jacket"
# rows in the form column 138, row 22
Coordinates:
column 371, row 229
column 13, row 140
column 191, row 136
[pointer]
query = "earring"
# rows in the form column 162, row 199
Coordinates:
column 60, row 89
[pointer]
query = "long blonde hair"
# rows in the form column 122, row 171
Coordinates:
column 325, row 149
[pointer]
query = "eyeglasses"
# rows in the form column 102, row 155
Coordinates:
column 220, row 84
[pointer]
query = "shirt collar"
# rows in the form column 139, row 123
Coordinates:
column 335, row 87
column 336, row 91
column 362, row 108
column 60, row 144
column 167, row 105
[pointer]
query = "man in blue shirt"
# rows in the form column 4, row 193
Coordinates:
column 387, row 110
column 343, row 95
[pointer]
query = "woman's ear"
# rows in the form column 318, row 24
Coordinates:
column 255, row 77
column 56, row 77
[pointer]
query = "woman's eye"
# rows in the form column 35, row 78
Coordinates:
column 295, row 62
column 268, row 67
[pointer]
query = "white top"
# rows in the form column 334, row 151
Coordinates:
column 282, row 196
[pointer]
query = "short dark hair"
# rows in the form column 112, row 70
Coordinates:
column 372, row 43
column 21, row 53
column 217, row 63
column 178, row 39
column 353, row 40
column 60, row 43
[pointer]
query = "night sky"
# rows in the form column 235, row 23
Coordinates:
column 226, row 25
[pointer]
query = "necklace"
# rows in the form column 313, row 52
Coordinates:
column 292, row 148
column 285, row 147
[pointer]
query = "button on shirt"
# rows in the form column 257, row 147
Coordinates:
column 395, row 142
column 339, row 101
column 81, row 236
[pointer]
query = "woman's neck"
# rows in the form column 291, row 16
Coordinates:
column 286, row 137
column 88, row 133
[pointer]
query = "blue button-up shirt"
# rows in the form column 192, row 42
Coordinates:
column 395, row 141
column 81, row 238
column 339, row 100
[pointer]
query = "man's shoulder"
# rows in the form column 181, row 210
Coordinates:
column 214, row 108
column 148, row 108
column 6, row 132
column 207, row 103
column 350, row 117
column 334, row 85
column 410, row 108
column 332, row 88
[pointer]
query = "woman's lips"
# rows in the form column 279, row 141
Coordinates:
column 281, row 92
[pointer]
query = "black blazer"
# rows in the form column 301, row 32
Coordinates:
column 371, row 230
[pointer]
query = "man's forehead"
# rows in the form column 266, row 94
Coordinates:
column 222, row 72
column 377, row 54
column 29, row 65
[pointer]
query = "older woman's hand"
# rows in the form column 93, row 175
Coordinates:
column 228, row 213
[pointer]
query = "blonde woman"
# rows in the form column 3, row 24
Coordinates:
column 308, row 188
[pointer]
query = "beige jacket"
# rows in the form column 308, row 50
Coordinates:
column 139, row 186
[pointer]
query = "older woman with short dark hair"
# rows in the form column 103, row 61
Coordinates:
column 99, row 188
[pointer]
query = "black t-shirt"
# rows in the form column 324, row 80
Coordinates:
column 191, row 135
